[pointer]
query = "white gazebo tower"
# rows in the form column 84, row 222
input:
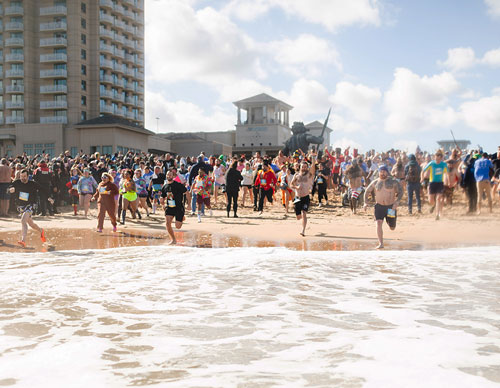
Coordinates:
column 262, row 124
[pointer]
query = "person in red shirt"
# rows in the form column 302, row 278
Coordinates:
column 337, row 160
column 266, row 181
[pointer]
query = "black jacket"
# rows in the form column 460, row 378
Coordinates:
column 233, row 180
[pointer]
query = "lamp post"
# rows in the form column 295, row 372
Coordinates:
column 157, row 124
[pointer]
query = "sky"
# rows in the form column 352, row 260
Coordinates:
column 396, row 73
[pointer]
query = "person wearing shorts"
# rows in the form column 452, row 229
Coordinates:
column 200, row 188
column 438, row 174
column 172, row 199
column 388, row 193
column 302, row 183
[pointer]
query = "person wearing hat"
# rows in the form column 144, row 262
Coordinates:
column 388, row 194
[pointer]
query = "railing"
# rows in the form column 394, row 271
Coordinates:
column 53, row 73
column 54, row 120
column 130, row 101
column 14, row 89
column 14, row 58
column 107, row 33
column 106, row 93
column 107, row 78
column 140, row 104
column 56, row 10
column 119, row 24
column 53, row 26
column 14, row 10
column 53, row 104
column 119, row 97
column 14, row 73
column 106, row 109
column 53, row 89
column 58, row 57
column 119, row 38
column 45, row 42
column 104, row 17
column 14, row 42
column 131, row 116
column 106, row 63
column 14, row 26
column 106, row 47
column 14, row 120
column 14, row 104
column 106, row 3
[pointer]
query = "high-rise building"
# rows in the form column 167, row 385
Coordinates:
column 63, row 62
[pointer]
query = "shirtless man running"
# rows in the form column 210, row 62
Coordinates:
column 302, row 183
column 388, row 194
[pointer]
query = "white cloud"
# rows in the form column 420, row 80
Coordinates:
column 182, row 116
column 460, row 58
column 493, row 7
column 305, row 56
column 418, row 103
column 203, row 45
column 405, row 145
column 483, row 114
column 463, row 58
column 358, row 99
column 346, row 142
column 492, row 58
column 332, row 14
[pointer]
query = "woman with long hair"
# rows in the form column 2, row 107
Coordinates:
column 129, row 195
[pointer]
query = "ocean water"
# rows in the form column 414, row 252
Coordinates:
column 250, row 317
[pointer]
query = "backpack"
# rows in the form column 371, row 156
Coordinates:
column 413, row 175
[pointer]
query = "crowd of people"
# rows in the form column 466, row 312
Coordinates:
column 142, row 184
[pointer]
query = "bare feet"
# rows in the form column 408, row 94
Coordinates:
column 380, row 246
column 173, row 242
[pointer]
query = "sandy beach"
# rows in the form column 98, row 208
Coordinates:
column 330, row 228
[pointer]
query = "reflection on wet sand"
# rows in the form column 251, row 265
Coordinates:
column 77, row 239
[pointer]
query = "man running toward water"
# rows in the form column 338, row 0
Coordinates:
column 26, row 194
column 173, row 191
column 302, row 183
column 388, row 194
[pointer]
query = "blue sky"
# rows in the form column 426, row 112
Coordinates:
column 397, row 73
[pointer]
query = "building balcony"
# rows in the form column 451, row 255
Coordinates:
column 55, row 73
column 1, row 10
column 107, row 79
column 129, row 101
column 119, row 24
column 1, row 90
column 119, row 97
column 53, row 105
column 1, row 118
column 106, row 33
column 14, row 10
column 129, row 14
column 54, row 26
column 106, row 94
column 14, row 120
column 59, row 57
column 107, row 63
column 106, row 109
column 14, row 89
column 105, row 18
column 140, row 89
column 54, row 120
column 10, row 42
column 14, row 58
column 49, row 89
column 54, row 11
column 130, row 29
column 139, row 62
column 49, row 42
column 106, row 4
column 14, row 104
column 14, row 73
column 129, row 58
column 140, row 104
column 140, row 118
column 129, row 43
column 131, row 116
column 119, row 9
column 14, row 26
column 1, row 106
column 120, row 82
column 106, row 48
column 119, row 39
column 119, row 53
